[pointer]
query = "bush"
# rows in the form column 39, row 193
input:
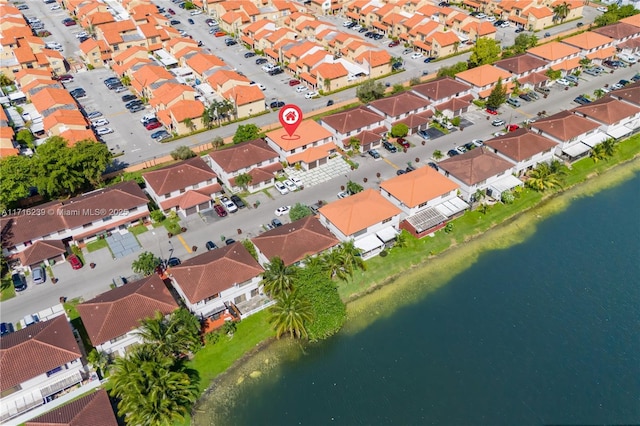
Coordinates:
column 157, row 216
column 212, row 338
column 384, row 253
column 182, row 153
column 507, row 197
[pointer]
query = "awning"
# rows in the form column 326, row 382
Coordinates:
column 452, row 207
column 619, row 132
column 368, row 243
column 506, row 183
column 387, row 234
column 426, row 219
column 576, row 150
column 594, row 139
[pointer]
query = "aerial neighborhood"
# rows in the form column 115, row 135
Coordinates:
column 381, row 81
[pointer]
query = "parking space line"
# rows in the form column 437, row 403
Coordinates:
column 524, row 113
column 184, row 243
column 390, row 163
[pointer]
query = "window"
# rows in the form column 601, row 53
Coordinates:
column 386, row 220
column 213, row 296
column 117, row 339
column 255, row 292
column 196, row 186
column 167, row 196
column 239, row 299
column 423, row 204
column 182, row 191
column 87, row 225
column 107, row 218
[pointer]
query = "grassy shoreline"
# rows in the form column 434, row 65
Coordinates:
column 368, row 294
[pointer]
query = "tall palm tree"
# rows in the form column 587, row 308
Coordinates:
column 561, row 11
column 176, row 335
column 597, row 153
column 290, row 315
column 334, row 261
column 609, row 146
column 189, row 123
column 278, row 278
column 351, row 257
column 541, row 178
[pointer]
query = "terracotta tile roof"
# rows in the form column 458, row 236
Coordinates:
column 71, row 117
column 374, row 57
column 419, row 186
column 202, row 62
column 293, row 241
column 41, row 250
column 521, row 144
column 607, row 110
column 184, row 109
column 455, row 104
column 40, row 83
column 483, row 75
column 588, row 40
column 482, row 29
column 630, row 93
column 47, row 98
column 441, row 88
column 606, row 52
column 191, row 198
column 415, row 120
column 93, row 409
column 19, row 228
column 118, row 311
column 313, row 153
column 352, row 119
column 565, row 125
column 533, row 78
column 359, row 211
column 567, row 64
column 308, row 132
column 444, row 38
column 244, row 155
column 215, row 271
column 521, row 63
column 36, row 349
column 618, row 31
column 399, row 104
column 632, row 20
column 73, row 136
column 331, row 71
column 475, row 166
column 538, row 12
column 554, row 51
column 243, row 95
column 220, row 77
column 179, row 176
column 170, row 92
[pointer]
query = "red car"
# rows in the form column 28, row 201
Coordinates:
column 75, row 261
column 294, row 82
column 394, row 43
column 70, row 23
column 171, row 12
column 512, row 127
column 220, row 34
column 403, row 143
column 492, row 111
column 220, row 210
column 152, row 125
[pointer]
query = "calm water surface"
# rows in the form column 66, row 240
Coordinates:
column 546, row 332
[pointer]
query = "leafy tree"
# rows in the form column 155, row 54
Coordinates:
column 585, row 62
column 182, row 153
column 189, row 123
column 609, row 147
column 291, row 314
column 246, row 132
column 561, row 11
column 54, row 169
column 437, row 154
column 250, row 248
column 145, row 264
column 597, row 153
column 26, row 138
column 179, row 334
column 354, row 144
column 397, row 88
column 244, row 180
column 524, row 42
column 327, row 309
column 401, row 239
column 369, row 91
column 100, row 361
column 207, row 118
column 553, row 74
column 299, row 211
column 278, row 278
column 217, row 142
column 453, row 69
column 542, row 178
column 614, row 13
column 92, row 159
column 485, row 51
column 399, row 130
column 153, row 389
column 498, row 95
column 353, row 187
column 16, row 179
column 4, row 80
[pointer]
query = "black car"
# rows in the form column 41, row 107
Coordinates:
column 525, row 97
column 78, row 90
column 389, row 146
column 610, row 64
column 174, row 22
column 429, row 59
column 400, row 172
column 582, row 100
column 362, row 30
column 276, row 104
column 352, row 24
column 111, row 80
column 190, row 21
column 378, row 37
column 6, row 328
column 238, row 201
column 83, row 39
column 276, row 71
column 173, row 261
column 330, row 102
column 635, row 77
column 249, row 55
column 19, row 282
column 229, row 241
column 261, row 61
column 211, row 245
column 133, row 103
column 519, row 30
column 409, row 168
column 230, row 42
column 374, row 153
column 433, row 165
column 369, row 34
column 623, row 82
column 127, row 98
column 452, row 153
column 276, row 222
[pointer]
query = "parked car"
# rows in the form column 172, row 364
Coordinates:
column 238, row 201
column 229, row 241
column 75, row 262
column 294, row 82
column 452, row 153
column 94, row 114
column 210, row 245
column 610, row 64
column 582, row 100
column 148, row 118
column 281, row 188
column 100, row 122
column 433, row 165
column 404, row 143
column 394, row 43
column 477, row 142
column 276, row 223
column 173, row 261
column 281, row 211
column 160, row 135
column 100, row 131
column 513, row 102
column 261, row 61
column 563, row 82
column 572, row 78
column 407, row 51
column 229, row 205
column 128, row 98
column 593, row 71
column 330, row 102
column 175, row 22
column 543, row 90
column 519, row 30
column 389, row 146
column 136, row 108
column 19, row 282
column 69, row 22
column 290, row 185
column 249, row 54
column 220, row 34
column 297, row 181
column 152, row 125
column 512, row 127
column 311, row 95
column 374, row 153
column 301, row 88
column 628, row 58
column 219, row 210
column 342, row 194
column 38, row 275
column 416, row 55
column 230, row 42
column 276, row 104
column 492, row 111
column 429, row 59
column 400, row 172
column 6, row 327
column 525, row 97
column 497, row 122
column 276, row 71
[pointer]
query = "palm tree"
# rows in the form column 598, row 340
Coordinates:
column 189, row 123
column 334, row 261
column 401, row 239
column 609, row 146
column 541, row 178
column 176, row 335
column 351, row 257
column 278, row 278
column 354, row 188
column 217, row 142
column 561, row 11
column 290, row 315
column 315, row 262
column 597, row 153
column 153, row 389
column 598, row 93
column 456, row 46
column 100, row 361
column 244, row 180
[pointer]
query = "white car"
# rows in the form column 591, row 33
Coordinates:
column 229, row 205
column 602, row 9
column 100, row 122
column 497, row 134
column 481, row 16
column 290, row 185
column 627, row 58
column 301, row 88
column 195, row 12
column 281, row 211
column 94, row 114
column 54, row 45
column 505, row 25
column 346, row 23
column 281, row 188
column 120, row 89
column 82, row 34
column 55, row 7
column 477, row 142
column 416, row 55
column 342, row 195
column 147, row 117
column 297, row 181
column 564, row 82
column 268, row 67
column 491, row 18
column 103, row 131
column 311, row 95
column 357, row 28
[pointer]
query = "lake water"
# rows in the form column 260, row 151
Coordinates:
column 544, row 332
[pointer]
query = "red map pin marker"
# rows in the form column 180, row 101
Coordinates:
column 290, row 117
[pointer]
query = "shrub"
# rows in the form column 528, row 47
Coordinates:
column 157, row 216
column 507, row 197
column 384, row 253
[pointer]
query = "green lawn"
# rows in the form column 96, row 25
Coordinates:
column 138, row 229
column 7, row 291
column 98, row 244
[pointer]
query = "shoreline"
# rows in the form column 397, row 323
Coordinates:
column 366, row 306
